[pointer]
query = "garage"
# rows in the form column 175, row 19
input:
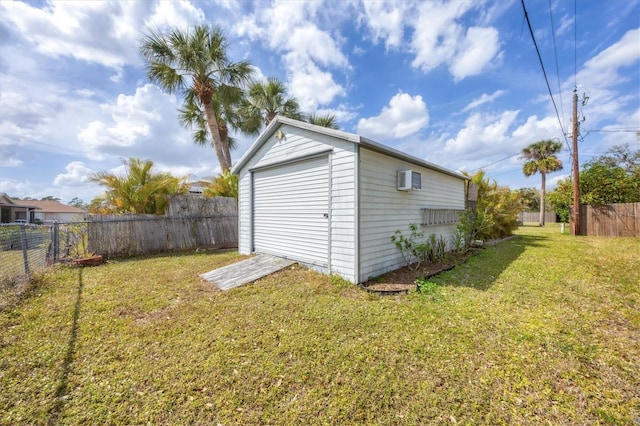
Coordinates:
column 332, row 199
column 291, row 210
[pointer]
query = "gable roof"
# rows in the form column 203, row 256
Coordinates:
column 339, row 134
column 5, row 200
column 49, row 206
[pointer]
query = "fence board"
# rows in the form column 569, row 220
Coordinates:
column 191, row 222
column 527, row 217
column 612, row 220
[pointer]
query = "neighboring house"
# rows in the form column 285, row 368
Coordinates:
column 13, row 210
column 197, row 187
column 33, row 211
column 332, row 199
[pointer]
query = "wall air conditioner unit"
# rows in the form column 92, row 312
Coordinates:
column 406, row 180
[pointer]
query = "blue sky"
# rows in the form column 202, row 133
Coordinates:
column 457, row 83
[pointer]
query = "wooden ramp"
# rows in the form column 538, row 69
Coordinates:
column 246, row 271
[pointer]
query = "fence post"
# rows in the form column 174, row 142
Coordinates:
column 55, row 237
column 25, row 252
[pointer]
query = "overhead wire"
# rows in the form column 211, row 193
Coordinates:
column 555, row 52
column 560, row 121
column 544, row 72
column 613, row 130
column 575, row 44
column 495, row 162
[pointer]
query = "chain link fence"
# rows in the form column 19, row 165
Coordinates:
column 26, row 249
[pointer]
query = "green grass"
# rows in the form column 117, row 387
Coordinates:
column 540, row 329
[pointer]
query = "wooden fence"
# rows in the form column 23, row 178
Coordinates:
column 526, row 217
column 612, row 220
column 191, row 222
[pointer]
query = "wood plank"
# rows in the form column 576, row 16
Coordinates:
column 246, row 271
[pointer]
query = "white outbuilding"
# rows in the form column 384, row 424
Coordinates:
column 332, row 200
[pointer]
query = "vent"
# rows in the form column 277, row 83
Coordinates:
column 406, row 180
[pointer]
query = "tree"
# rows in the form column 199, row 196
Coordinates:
column 50, row 198
column 223, row 185
column 139, row 191
column 530, row 198
column 78, row 203
column 264, row 101
column 324, row 120
column 495, row 214
column 195, row 63
column 542, row 159
column 561, row 199
column 608, row 179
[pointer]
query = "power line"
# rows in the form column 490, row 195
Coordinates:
column 555, row 52
column 495, row 162
column 613, row 131
column 575, row 43
column 544, row 72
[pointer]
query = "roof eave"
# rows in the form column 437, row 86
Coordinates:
column 339, row 134
column 383, row 149
column 279, row 121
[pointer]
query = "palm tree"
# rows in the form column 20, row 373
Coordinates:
column 139, row 191
column 226, row 111
column 542, row 159
column 264, row 101
column 324, row 120
column 223, row 185
column 196, row 64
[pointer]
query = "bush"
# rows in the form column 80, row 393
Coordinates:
column 495, row 214
column 415, row 249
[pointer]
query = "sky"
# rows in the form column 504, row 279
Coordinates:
column 457, row 83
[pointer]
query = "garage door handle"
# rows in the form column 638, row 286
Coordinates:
column 326, row 215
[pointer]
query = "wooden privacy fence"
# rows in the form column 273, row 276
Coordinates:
column 524, row 217
column 192, row 222
column 612, row 220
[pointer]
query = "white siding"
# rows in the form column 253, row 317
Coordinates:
column 296, row 144
column 383, row 209
column 289, row 207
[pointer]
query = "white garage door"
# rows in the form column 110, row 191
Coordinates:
column 290, row 211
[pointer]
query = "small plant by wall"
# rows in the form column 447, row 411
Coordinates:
column 416, row 249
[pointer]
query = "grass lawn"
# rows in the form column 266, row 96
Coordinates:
column 540, row 329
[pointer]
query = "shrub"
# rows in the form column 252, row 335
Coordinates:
column 415, row 249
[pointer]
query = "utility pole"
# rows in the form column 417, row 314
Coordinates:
column 576, row 172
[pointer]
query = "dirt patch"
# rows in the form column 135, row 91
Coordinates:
column 404, row 279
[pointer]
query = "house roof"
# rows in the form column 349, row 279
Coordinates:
column 5, row 200
column 48, row 206
column 339, row 134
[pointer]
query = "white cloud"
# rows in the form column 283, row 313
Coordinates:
column 404, row 116
column 602, row 70
column 386, row 20
column 175, row 14
column 145, row 125
column 141, row 124
column 313, row 87
column 33, row 109
column 440, row 39
column 105, row 32
column 308, row 43
column 342, row 112
column 566, row 22
column 475, row 52
column 534, row 130
column 9, row 156
column 438, row 35
column 14, row 188
column 76, row 174
column 483, row 135
column 292, row 28
column 485, row 98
